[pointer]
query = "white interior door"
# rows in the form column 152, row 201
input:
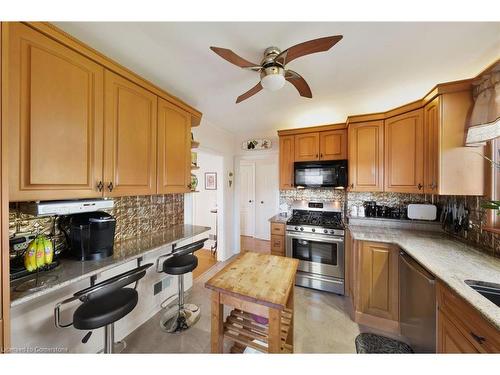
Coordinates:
column 247, row 200
column 266, row 196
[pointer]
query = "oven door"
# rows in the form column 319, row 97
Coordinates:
column 318, row 254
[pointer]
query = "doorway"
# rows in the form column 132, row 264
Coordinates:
column 206, row 207
column 258, row 196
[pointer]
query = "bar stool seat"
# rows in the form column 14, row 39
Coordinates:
column 179, row 265
column 101, row 311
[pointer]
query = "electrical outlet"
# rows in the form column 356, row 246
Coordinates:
column 157, row 288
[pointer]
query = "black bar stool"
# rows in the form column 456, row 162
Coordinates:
column 179, row 262
column 103, row 304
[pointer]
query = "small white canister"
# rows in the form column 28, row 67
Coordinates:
column 354, row 211
column 361, row 211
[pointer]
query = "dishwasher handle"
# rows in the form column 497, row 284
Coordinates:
column 409, row 262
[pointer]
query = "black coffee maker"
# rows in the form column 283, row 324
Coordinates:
column 91, row 235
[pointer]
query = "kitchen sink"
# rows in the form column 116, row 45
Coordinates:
column 490, row 291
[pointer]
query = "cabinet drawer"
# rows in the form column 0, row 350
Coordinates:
column 277, row 228
column 277, row 245
column 468, row 321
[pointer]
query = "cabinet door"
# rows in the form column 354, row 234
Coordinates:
column 174, row 149
column 404, row 148
column 366, row 156
column 55, row 118
column 277, row 245
column 432, row 137
column 287, row 158
column 379, row 280
column 130, row 138
column 333, row 145
column 450, row 339
column 307, row 147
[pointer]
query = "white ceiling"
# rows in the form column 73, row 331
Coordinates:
column 375, row 67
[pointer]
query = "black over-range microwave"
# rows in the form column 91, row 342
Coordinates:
column 321, row 174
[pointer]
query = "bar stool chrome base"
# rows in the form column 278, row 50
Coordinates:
column 181, row 317
column 175, row 320
column 110, row 346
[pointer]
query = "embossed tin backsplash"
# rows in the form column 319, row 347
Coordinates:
column 135, row 215
column 486, row 241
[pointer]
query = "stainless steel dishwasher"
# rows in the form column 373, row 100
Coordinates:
column 417, row 305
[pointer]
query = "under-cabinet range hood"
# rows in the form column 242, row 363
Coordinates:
column 47, row 208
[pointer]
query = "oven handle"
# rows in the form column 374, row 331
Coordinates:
column 314, row 237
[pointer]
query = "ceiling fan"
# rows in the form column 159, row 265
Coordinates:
column 273, row 74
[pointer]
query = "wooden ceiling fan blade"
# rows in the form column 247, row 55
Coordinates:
column 299, row 82
column 307, row 48
column 233, row 58
column 254, row 90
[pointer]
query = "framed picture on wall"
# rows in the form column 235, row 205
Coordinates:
column 210, row 181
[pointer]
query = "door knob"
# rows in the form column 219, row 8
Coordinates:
column 262, row 202
column 250, row 201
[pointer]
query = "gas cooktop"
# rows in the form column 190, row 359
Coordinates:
column 327, row 220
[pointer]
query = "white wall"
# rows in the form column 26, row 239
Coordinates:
column 206, row 200
column 220, row 142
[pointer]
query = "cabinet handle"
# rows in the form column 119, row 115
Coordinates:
column 479, row 339
column 321, row 156
column 316, row 156
column 100, row 186
column 420, row 186
column 110, row 187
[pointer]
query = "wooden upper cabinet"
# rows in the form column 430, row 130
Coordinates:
column 432, row 137
column 404, row 146
column 333, row 145
column 307, row 146
column 174, row 149
column 287, row 153
column 378, row 279
column 130, row 138
column 55, row 119
column 366, row 156
column 455, row 169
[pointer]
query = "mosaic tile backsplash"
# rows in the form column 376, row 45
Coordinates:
column 135, row 215
column 486, row 241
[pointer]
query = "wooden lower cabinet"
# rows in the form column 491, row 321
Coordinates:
column 278, row 239
column 376, row 285
column 174, row 153
column 450, row 339
column 461, row 328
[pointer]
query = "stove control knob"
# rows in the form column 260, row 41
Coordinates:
column 296, row 228
column 301, row 228
column 325, row 231
column 314, row 230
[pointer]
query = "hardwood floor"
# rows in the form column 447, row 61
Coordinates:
column 205, row 261
column 254, row 244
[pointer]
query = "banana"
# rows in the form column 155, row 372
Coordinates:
column 49, row 250
column 40, row 253
column 30, row 256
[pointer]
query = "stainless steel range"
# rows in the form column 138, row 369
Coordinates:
column 315, row 236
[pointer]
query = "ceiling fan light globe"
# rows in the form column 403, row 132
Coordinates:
column 273, row 82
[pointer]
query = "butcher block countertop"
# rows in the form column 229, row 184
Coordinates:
column 260, row 278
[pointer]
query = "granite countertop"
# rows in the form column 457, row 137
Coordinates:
column 449, row 260
column 71, row 271
column 279, row 218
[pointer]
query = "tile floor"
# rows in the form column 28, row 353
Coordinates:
column 322, row 325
